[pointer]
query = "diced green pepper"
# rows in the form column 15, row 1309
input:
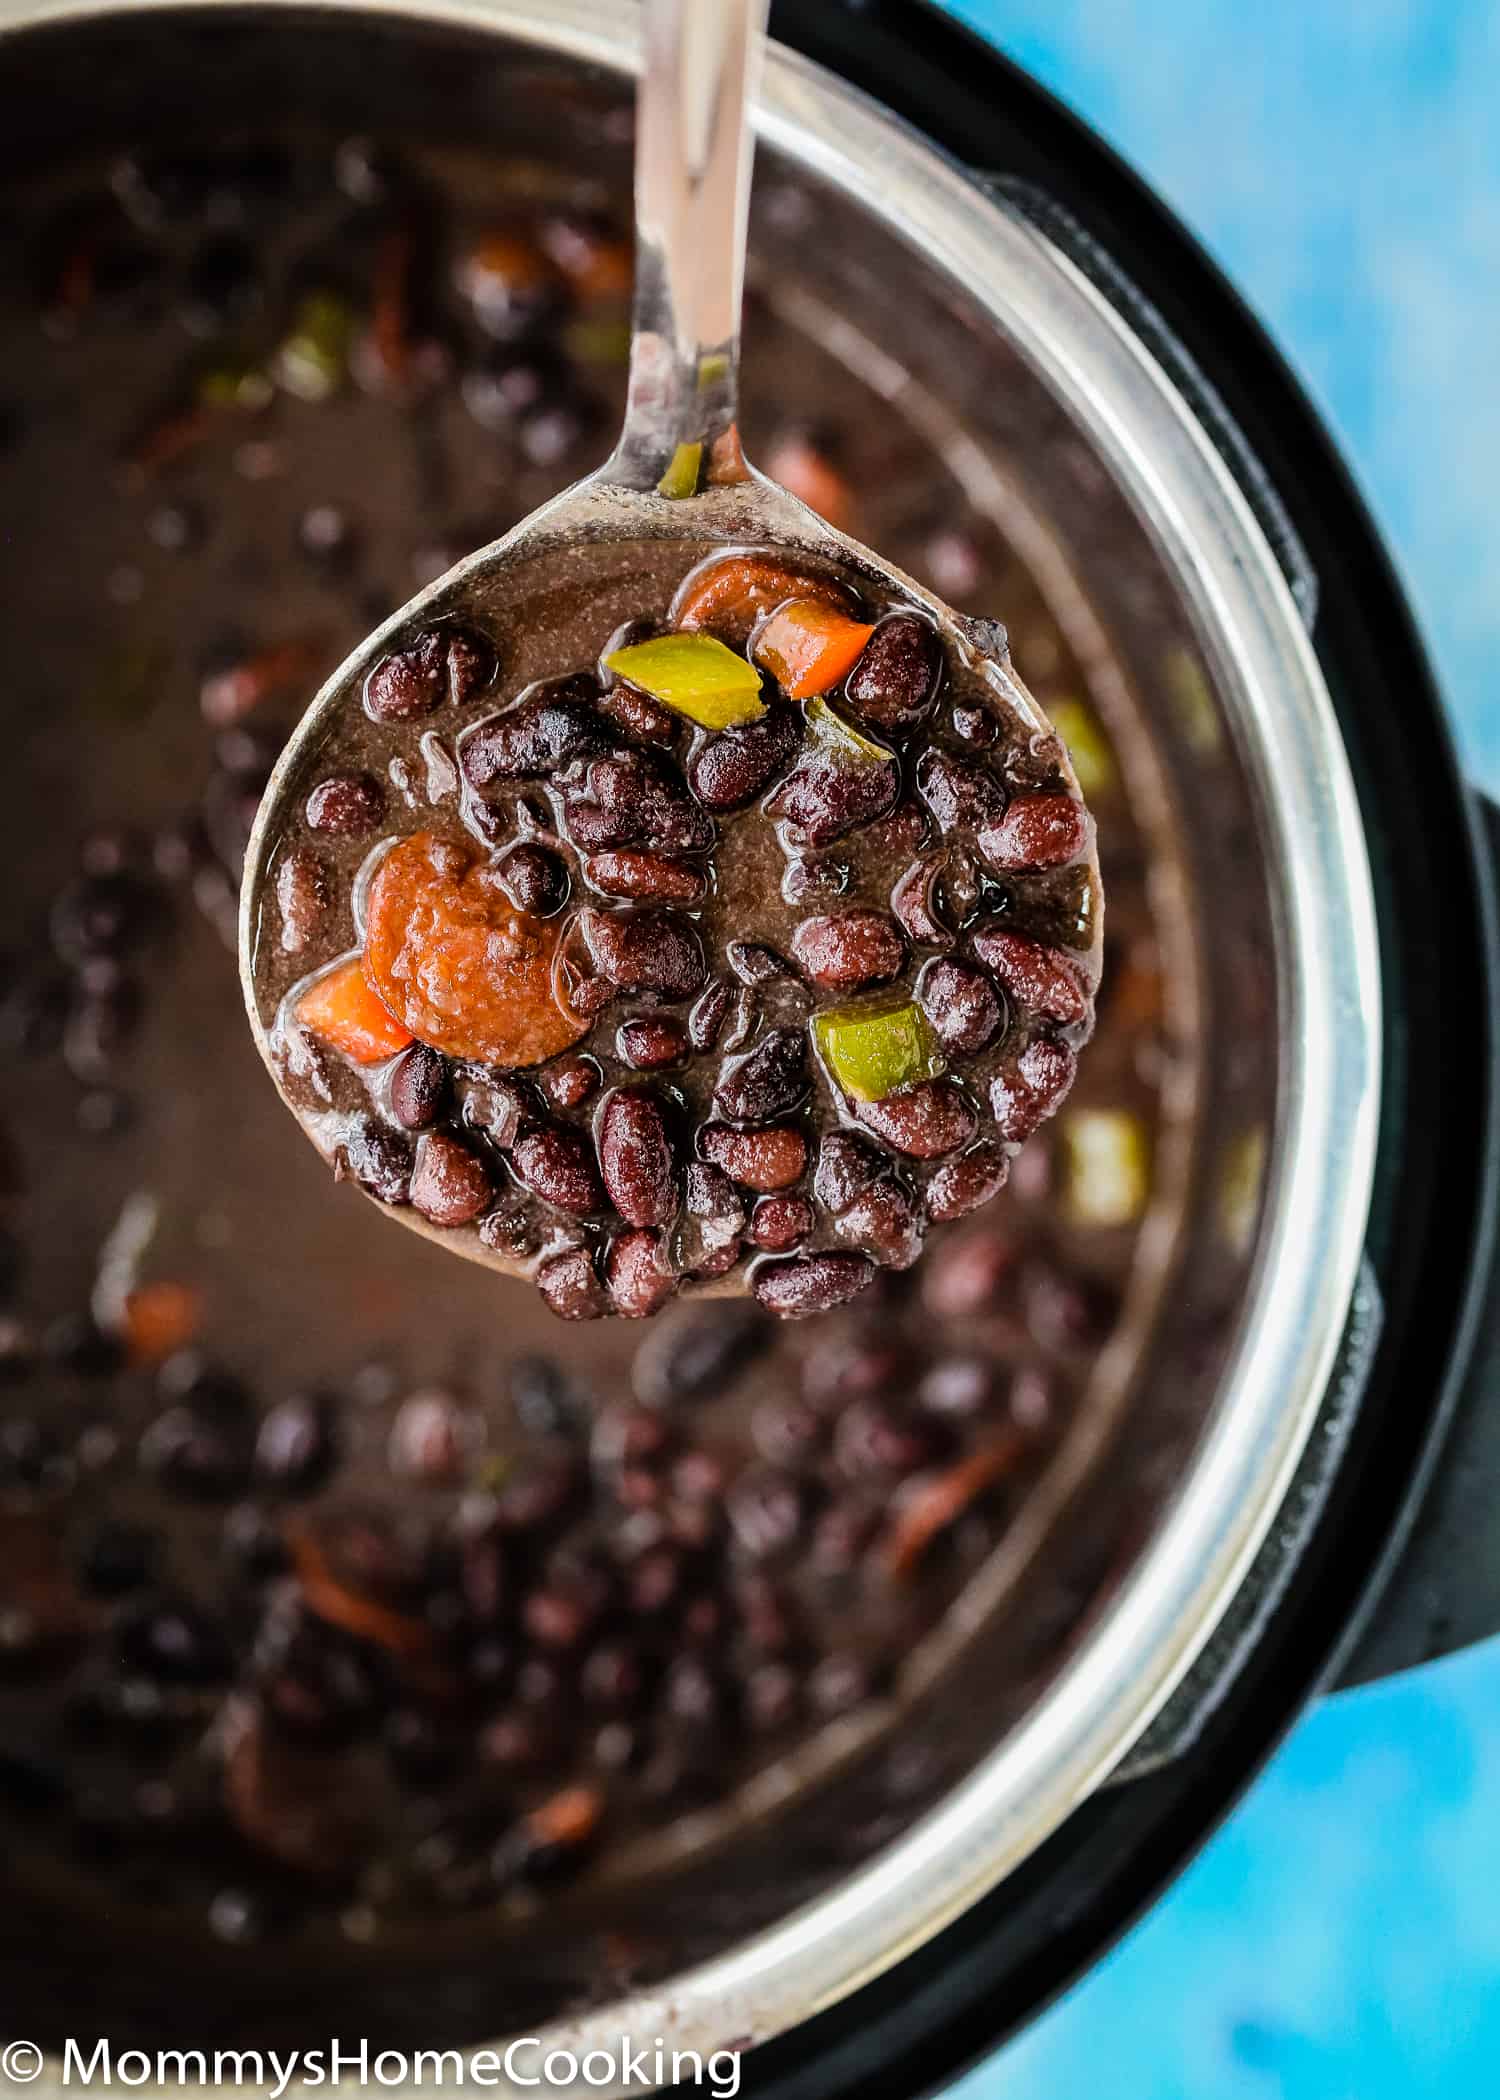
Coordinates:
column 840, row 738
column 681, row 477
column 695, row 675
column 314, row 357
column 1088, row 746
column 874, row 1050
column 1106, row 1158
column 234, row 383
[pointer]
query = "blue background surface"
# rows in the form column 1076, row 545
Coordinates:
column 1340, row 1938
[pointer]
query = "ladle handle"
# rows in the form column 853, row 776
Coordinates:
column 693, row 153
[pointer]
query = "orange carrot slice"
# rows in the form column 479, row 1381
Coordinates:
column 730, row 592
column 938, row 1501
column 340, row 1008
column 808, row 646
column 365, row 1617
column 569, row 1817
column 160, row 1319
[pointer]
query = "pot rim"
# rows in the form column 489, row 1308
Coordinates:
column 1139, row 1648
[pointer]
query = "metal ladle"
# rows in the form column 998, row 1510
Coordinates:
column 678, row 472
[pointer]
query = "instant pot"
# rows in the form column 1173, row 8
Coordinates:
column 1287, row 1490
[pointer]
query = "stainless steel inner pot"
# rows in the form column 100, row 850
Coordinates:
column 1057, row 420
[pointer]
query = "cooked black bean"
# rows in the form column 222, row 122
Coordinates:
column 294, row 1445
column 847, row 1165
column 828, row 795
column 418, row 1087
column 925, row 1121
column 635, row 1158
column 804, row 1284
column 450, row 1185
column 639, row 1274
column 557, row 1164
column 552, row 725
column 850, row 950
column 380, row 1160
column 445, row 663
column 651, row 1042
column 346, row 805
column 962, row 1005
column 534, row 879
column 961, row 794
column 896, row 680
column 768, row 1081
column 731, row 769
column 633, row 798
column 643, row 950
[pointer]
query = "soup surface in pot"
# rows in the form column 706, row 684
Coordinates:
column 341, row 1588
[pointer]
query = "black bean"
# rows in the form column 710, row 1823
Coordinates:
column 569, row 1285
column 768, row 1081
column 638, row 1273
column 1037, row 831
column 877, row 1437
column 762, row 1160
column 779, row 1223
column 101, row 915
column 787, row 1432
column 963, row 1184
column 825, row 795
column 450, row 1185
column 924, row 1121
column 767, row 1511
column 708, row 1014
column 496, row 1108
column 433, row 1437
column 634, row 798
column 731, row 769
column 886, row 1222
column 534, row 879
column 550, row 726
column 448, row 662
column 896, row 679
column 77, row 1344
column 704, row 1350
column 1025, row 1092
column 294, row 1446
column 960, row 1387
column 644, row 950
column 961, row 794
column 635, row 1158
column 418, row 1087
column 848, row 950
column 839, row 1683
column 803, row 1284
column 847, row 1165
column 773, row 1696
column 379, row 1159
column 962, row 1005
column 570, row 1081
column 1034, row 975
column 346, row 805
column 651, row 1042
column 117, row 1556
column 202, row 1446
column 175, row 1643
column 557, row 1164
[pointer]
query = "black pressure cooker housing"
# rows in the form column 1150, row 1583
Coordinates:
column 1380, row 1560
column 1379, row 1555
